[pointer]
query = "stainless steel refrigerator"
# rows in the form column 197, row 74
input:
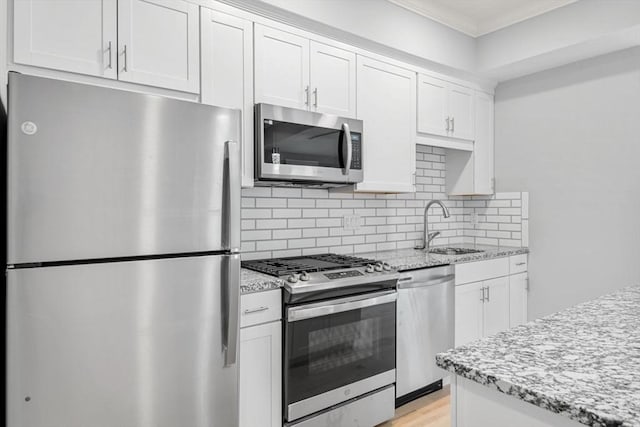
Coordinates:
column 123, row 266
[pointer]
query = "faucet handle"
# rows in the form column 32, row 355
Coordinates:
column 433, row 235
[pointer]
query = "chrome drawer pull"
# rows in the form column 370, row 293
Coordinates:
column 520, row 263
column 256, row 310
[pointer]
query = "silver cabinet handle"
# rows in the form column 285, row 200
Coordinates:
column 526, row 287
column 124, row 53
column 256, row 310
column 520, row 263
column 488, row 294
column 315, row 97
column 231, row 308
column 482, row 295
column 453, row 124
column 347, row 135
column 447, row 120
column 109, row 66
column 231, row 210
column 306, row 95
column 405, row 279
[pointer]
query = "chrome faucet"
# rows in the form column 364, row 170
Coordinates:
column 428, row 237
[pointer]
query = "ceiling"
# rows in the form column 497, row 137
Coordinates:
column 479, row 17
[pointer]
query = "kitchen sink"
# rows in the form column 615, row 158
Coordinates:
column 454, row 251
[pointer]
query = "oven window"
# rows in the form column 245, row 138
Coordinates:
column 331, row 351
column 295, row 144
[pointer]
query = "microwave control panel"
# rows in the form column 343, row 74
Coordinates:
column 356, row 152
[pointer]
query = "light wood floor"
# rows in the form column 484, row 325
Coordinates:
column 432, row 410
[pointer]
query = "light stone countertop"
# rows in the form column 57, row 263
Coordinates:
column 401, row 259
column 253, row 281
column 582, row 363
column 410, row 259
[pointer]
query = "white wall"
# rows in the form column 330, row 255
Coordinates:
column 387, row 24
column 577, row 31
column 571, row 138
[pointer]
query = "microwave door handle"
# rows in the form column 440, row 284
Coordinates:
column 347, row 136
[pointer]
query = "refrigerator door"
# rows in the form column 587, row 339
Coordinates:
column 100, row 173
column 128, row 344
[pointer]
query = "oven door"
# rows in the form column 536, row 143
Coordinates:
column 338, row 350
column 298, row 145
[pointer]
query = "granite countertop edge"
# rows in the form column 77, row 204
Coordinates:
column 557, row 406
column 470, row 361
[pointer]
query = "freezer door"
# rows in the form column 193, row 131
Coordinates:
column 100, row 173
column 131, row 344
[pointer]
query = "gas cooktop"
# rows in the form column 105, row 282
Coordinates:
column 308, row 263
column 326, row 275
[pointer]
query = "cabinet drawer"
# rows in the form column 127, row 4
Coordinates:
column 517, row 263
column 481, row 270
column 260, row 307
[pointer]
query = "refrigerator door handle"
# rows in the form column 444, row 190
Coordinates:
column 231, row 220
column 232, row 309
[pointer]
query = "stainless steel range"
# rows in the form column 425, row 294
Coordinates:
column 339, row 339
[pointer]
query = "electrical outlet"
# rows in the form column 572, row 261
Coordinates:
column 351, row 222
column 474, row 218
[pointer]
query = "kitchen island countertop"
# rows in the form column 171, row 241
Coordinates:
column 582, row 362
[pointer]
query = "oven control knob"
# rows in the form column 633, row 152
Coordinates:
column 293, row 278
column 386, row 266
column 378, row 267
column 304, row 276
column 369, row 268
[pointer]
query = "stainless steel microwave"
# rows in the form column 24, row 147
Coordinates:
column 303, row 148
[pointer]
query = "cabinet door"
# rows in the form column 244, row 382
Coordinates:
column 496, row 306
column 71, row 35
column 227, row 73
column 518, row 293
column 281, row 68
column 461, row 112
column 432, row 105
column 261, row 375
column 468, row 313
column 333, row 80
column 387, row 105
column 483, row 145
column 159, row 44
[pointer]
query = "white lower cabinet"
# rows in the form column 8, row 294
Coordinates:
column 261, row 360
column 482, row 309
column 489, row 298
column 518, row 293
column 261, row 375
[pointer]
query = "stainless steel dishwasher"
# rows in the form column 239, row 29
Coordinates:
column 424, row 327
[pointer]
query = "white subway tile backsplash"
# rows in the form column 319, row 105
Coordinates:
column 297, row 221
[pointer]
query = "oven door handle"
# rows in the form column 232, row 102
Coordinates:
column 344, row 304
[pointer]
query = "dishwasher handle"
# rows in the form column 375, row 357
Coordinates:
column 432, row 281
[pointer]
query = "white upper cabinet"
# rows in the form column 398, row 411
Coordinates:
column 461, row 111
column 483, row 146
column 386, row 104
column 445, row 109
column 159, row 43
column 227, row 73
column 294, row 71
column 433, row 107
column 470, row 173
column 281, row 68
column 74, row 35
column 333, row 80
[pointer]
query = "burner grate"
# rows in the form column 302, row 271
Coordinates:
column 309, row 263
